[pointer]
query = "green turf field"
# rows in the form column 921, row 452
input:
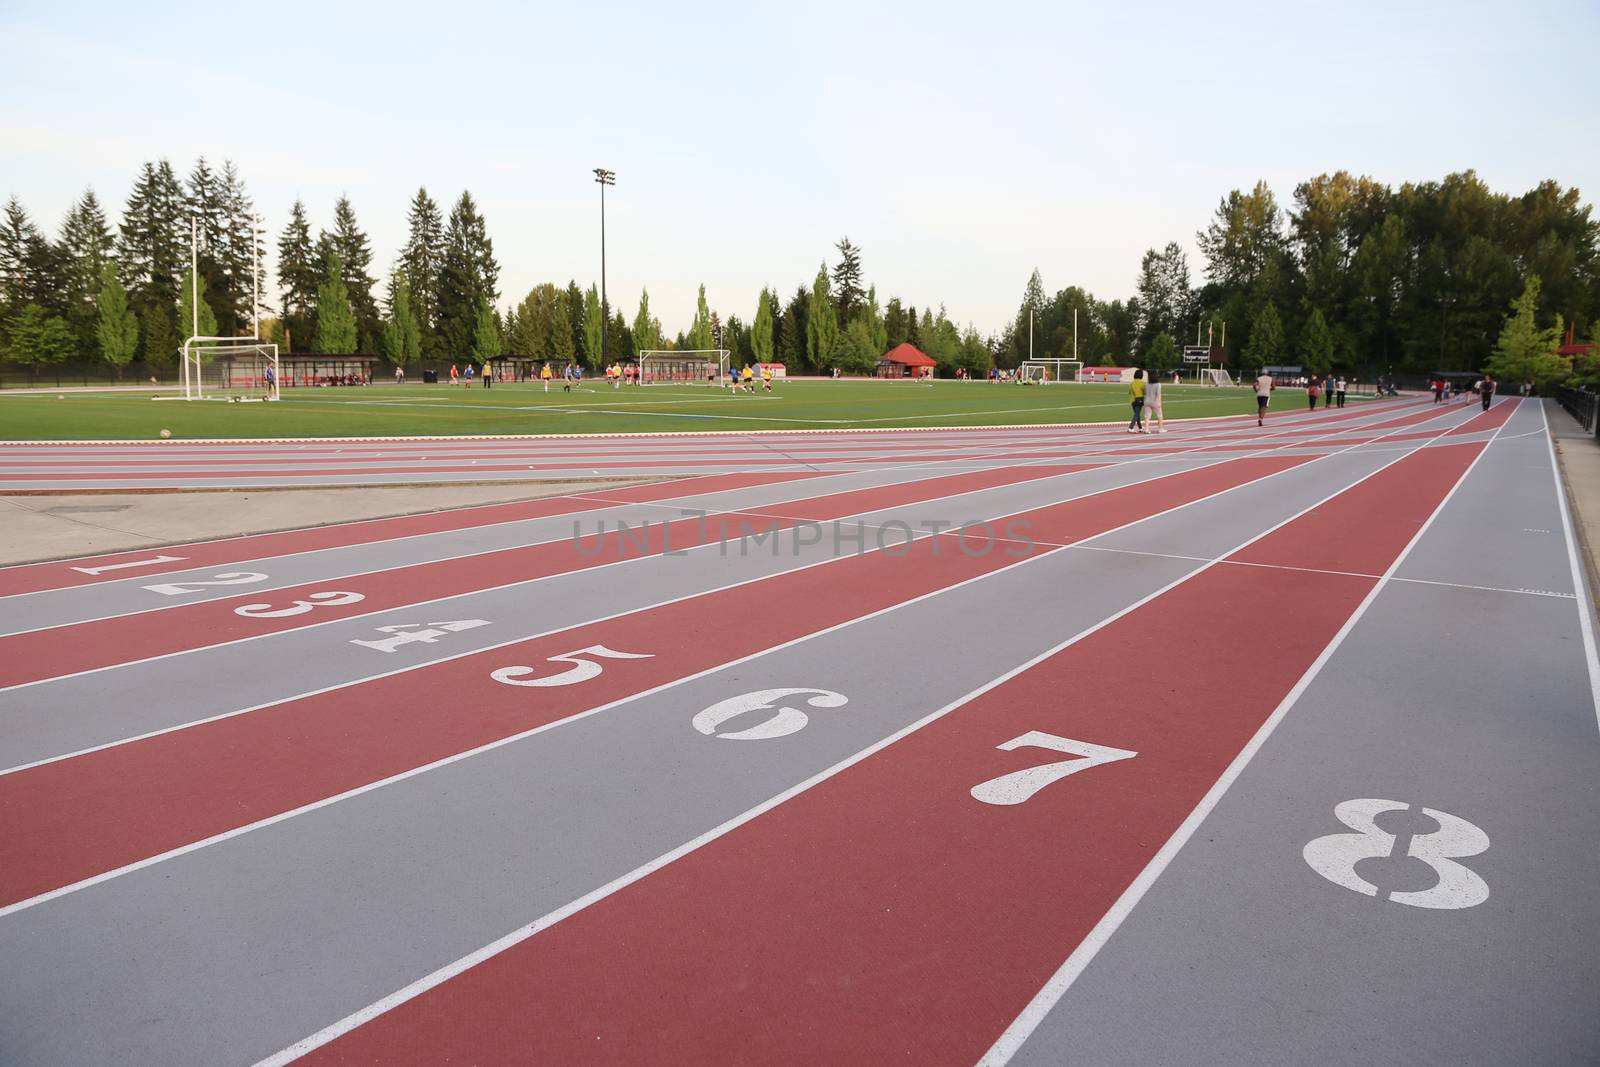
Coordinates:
column 389, row 410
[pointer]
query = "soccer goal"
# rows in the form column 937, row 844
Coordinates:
column 1041, row 371
column 230, row 368
column 1215, row 376
column 683, row 366
column 223, row 366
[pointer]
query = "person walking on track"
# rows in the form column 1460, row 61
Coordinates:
column 1152, row 406
column 1136, row 397
column 1313, row 387
column 1486, row 390
column 1264, row 387
column 1338, row 392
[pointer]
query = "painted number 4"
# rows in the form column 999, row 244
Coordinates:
column 1018, row 786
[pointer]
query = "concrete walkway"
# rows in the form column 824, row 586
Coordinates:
column 54, row 526
column 1578, row 453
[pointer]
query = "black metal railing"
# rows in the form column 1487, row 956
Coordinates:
column 1583, row 405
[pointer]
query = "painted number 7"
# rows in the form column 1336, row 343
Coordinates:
column 1018, row 786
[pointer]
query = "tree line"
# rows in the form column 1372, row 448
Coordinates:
column 1353, row 276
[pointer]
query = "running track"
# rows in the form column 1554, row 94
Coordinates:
column 1026, row 746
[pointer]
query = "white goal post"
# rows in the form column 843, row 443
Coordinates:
column 683, row 366
column 1050, row 370
column 227, row 364
column 1218, row 377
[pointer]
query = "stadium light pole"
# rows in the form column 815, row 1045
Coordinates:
column 604, row 178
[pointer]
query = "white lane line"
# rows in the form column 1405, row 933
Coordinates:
column 1021, row 1028
column 445, row 659
column 544, row 922
column 1552, row 593
column 1579, row 582
column 500, row 743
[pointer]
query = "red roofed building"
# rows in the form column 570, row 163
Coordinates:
column 905, row 361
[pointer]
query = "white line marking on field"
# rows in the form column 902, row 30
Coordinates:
column 1015, row 1035
column 516, row 937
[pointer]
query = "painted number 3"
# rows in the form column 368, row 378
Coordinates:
column 1336, row 855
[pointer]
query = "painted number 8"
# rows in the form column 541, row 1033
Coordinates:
column 1335, row 856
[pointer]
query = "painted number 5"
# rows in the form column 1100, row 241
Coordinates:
column 583, row 668
column 1018, row 786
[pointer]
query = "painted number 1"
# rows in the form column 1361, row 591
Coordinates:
column 1018, row 786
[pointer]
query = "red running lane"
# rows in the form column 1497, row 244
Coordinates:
column 888, row 916
column 59, row 574
column 74, row 647
column 72, row 819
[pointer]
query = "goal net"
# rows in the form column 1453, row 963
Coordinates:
column 683, row 366
column 1218, row 377
column 229, row 368
column 1050, row 370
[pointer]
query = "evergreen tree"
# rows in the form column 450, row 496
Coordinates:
column 1161, row 357
column 562, row 348
column 1033, row 299
column 1524, row 352
column 894, row 324
column 240, row 251
column 1316, row 344
column 336, row 321
column 153, row 240
column 402, row 335
column 117, row 330
column 158, row 332
column 36, row 336
column 485, row 334
column 761, row 333
column 17, row 234
column 792, row 338
column 86, row 249
column 593, row 325
column 421, row 259
column 914, row 329
column 822, row 325
column 646, row 330
column 1164, row 294
column 847, row 281
column 620, row 338
column 297, row 278
column 574, row 304
column 355, row 257
column 700, row 330
column 1266, row 340
column 878, row 332
column 468, row 275
column 189, row 323
column 203, row 204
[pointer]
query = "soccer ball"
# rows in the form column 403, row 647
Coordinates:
column 165, row 434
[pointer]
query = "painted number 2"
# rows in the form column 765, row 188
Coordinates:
column 225, row 578
column 583, row 667
column 1336, row 855
column 1018, row 786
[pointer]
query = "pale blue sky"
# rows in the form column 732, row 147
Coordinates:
column 960, row 145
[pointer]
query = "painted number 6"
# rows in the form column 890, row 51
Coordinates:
column 582, row 668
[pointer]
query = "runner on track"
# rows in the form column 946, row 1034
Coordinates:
column 1264, row 387
column 1486, row 390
